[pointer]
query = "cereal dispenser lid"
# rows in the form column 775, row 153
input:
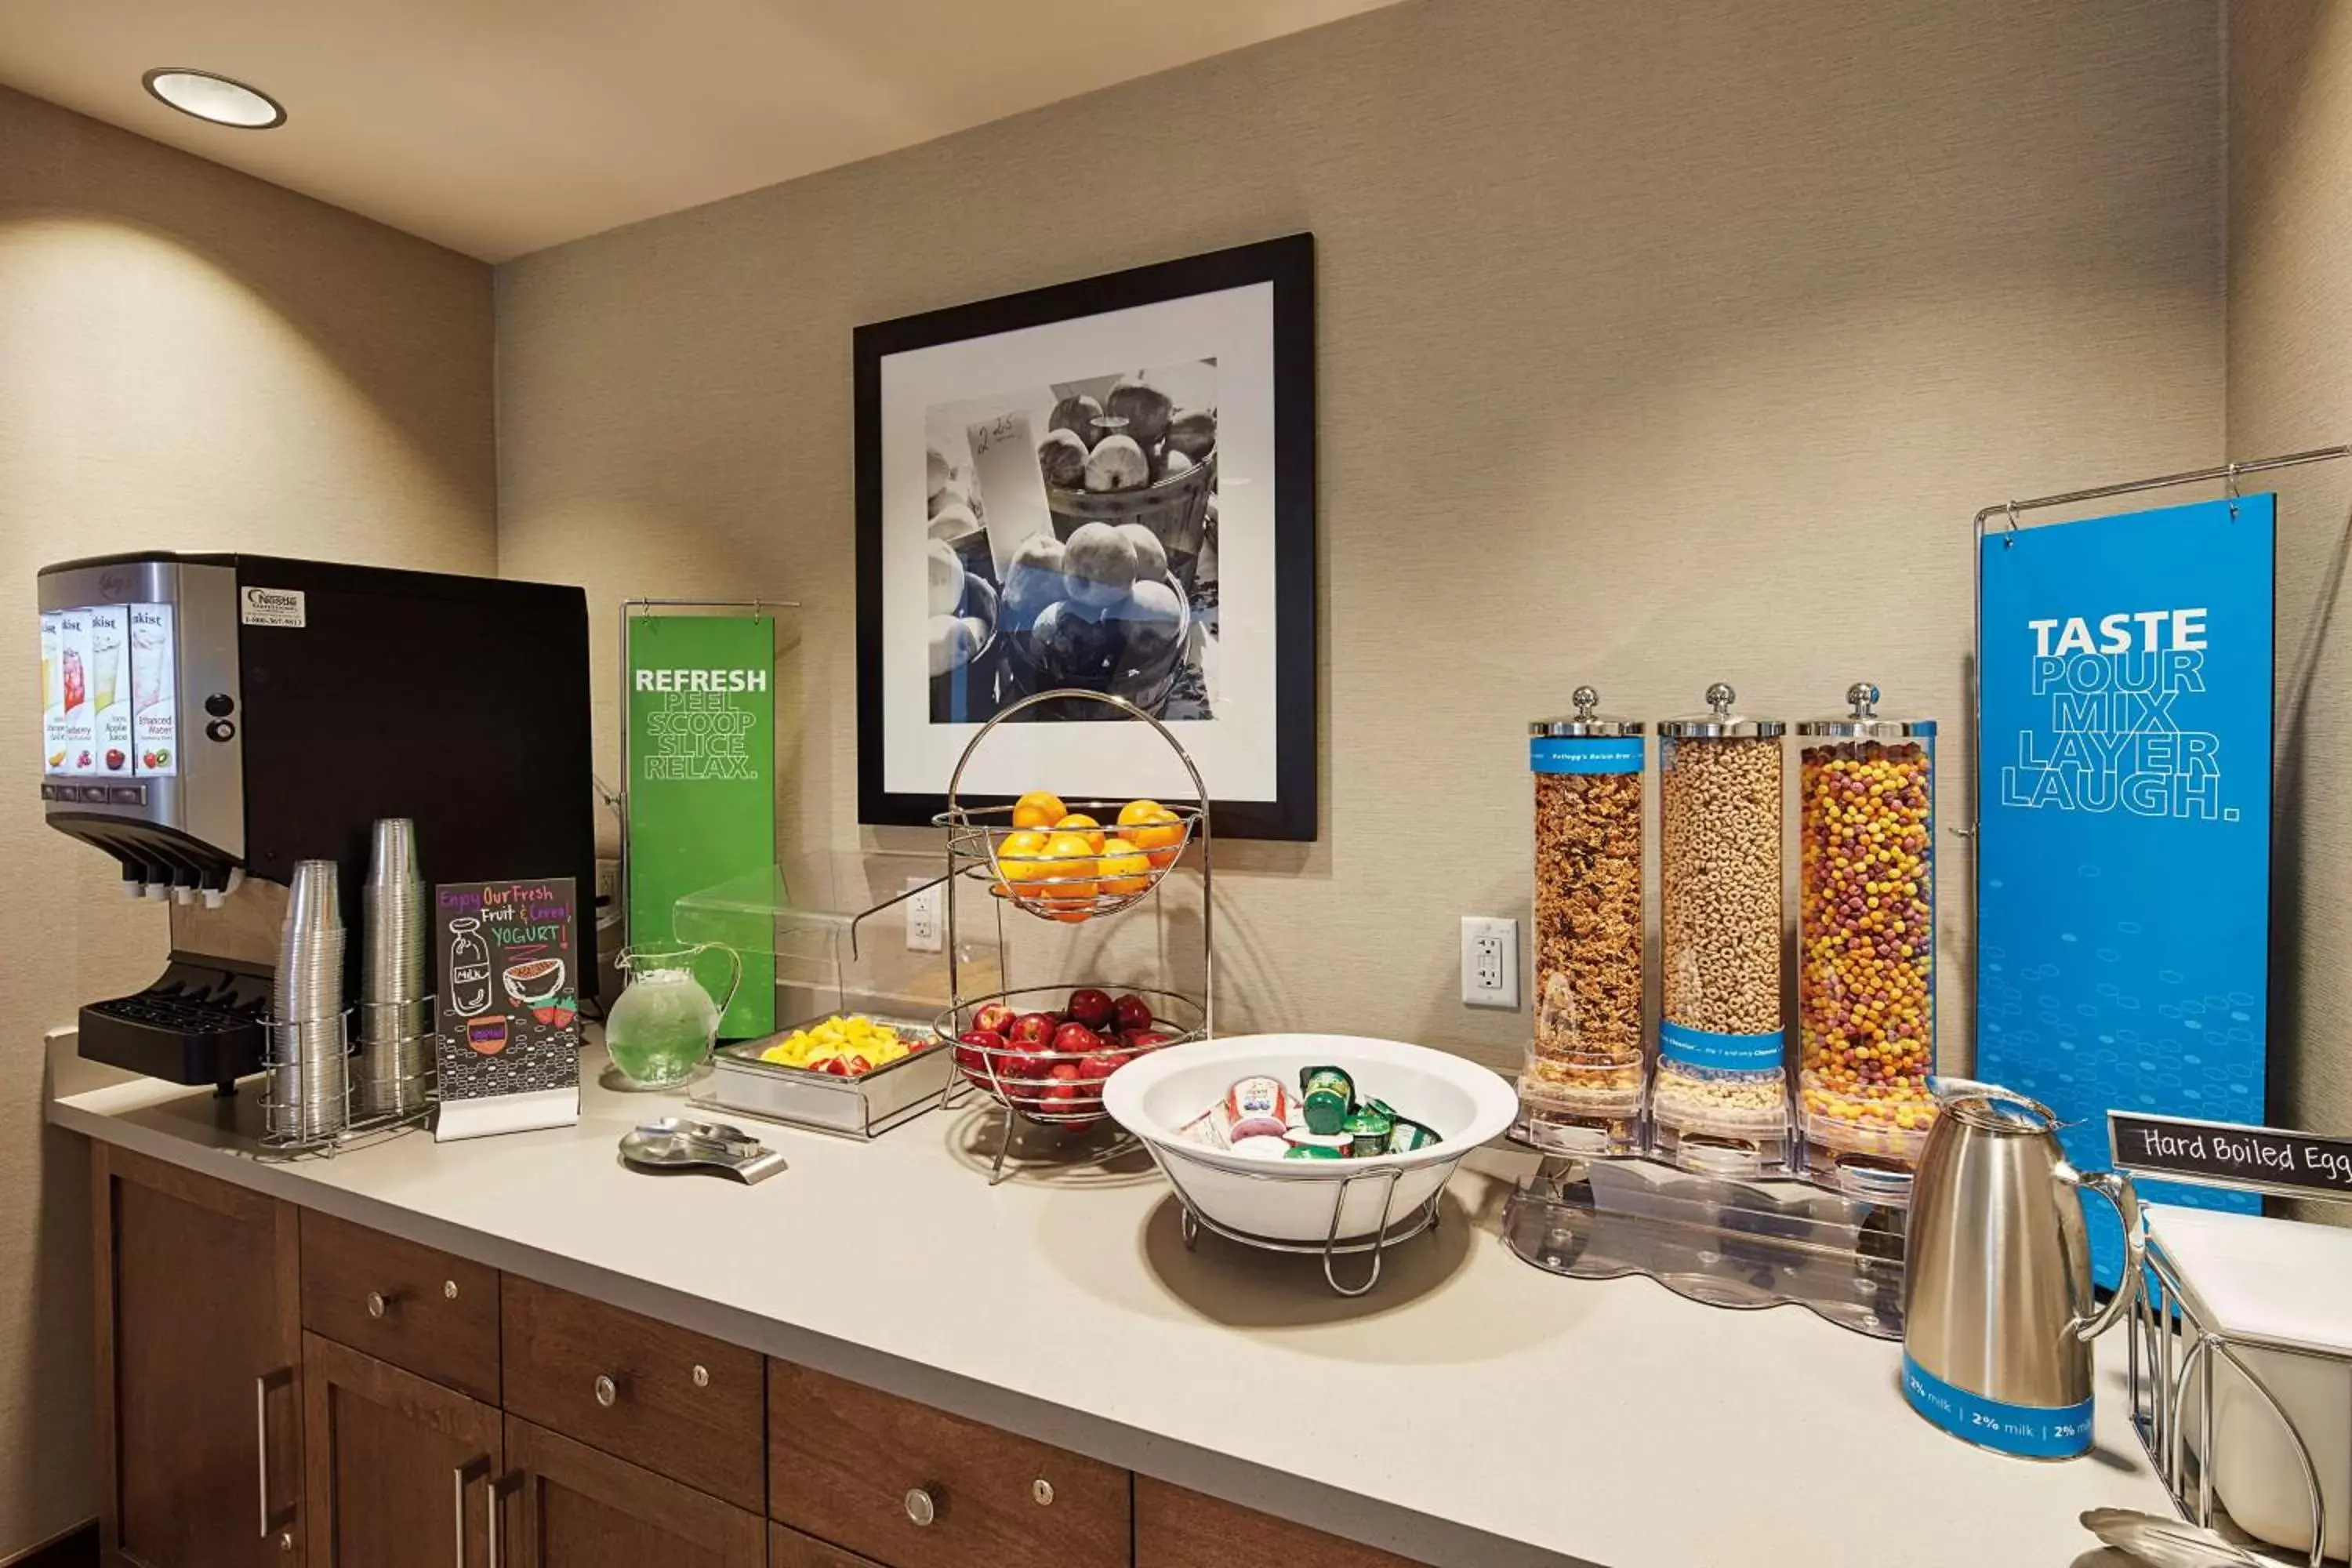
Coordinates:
column 1584, row 723
column 1720, row 723
column 1865, row 722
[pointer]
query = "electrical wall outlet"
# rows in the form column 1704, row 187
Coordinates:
column 1490, row 962
column 927, row 917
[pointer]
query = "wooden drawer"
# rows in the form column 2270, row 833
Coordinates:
column 422, row 1311
column 576, row 1507
column 1177, row 1528
column 681, row 1405
column 846, row 1462
column 789, row 1548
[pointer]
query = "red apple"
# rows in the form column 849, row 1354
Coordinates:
column 1032, row 1031
column 976, row 1050
column 996, row 1018
column 1063, row 1087
column 1132, row 1013
column 1100, row 1065
column 1091, row 1007
column 1076, row 1039
column 1141, row 1040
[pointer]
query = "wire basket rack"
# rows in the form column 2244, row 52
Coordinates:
column 1051, row 1088
column 1371, row 1246
column 2177, row 1362
column 321, row 1122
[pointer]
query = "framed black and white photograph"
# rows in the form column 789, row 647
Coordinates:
column 1105, row 486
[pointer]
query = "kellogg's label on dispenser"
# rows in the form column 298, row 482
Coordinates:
column 154, row 691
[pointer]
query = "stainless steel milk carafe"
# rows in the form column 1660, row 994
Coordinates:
column 1998, row 1314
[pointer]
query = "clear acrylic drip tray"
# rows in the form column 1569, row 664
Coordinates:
column 1722, row 1242
column 840, row 932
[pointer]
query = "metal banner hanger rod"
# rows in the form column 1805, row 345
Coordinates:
column 2228, row 473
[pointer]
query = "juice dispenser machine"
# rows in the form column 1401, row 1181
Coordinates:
column 209, row 720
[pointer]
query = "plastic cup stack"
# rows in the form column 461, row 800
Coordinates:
column 309, row 1046
column 395, row 1026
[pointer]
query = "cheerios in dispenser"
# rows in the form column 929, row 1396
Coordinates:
column 1719, row 1100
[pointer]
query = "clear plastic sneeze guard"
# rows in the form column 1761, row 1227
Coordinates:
column 855, row 935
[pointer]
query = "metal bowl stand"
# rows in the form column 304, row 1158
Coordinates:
column 1373, row 1243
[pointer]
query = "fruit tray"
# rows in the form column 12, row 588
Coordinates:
column 1068, row 887
column 1060, row 1087
column 866, row 1106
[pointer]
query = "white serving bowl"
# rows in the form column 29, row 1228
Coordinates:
column 1291, row 1200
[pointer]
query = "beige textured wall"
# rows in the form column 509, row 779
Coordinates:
column 1659, row 344
column 189, row 359
column 2289, row 381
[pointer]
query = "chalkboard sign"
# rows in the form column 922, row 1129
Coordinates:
column 509, row 1005
column 2229, row 1154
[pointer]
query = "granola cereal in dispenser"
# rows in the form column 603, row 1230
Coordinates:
column 1718, row 1101
column 1866, row 940
column 1581, row 1092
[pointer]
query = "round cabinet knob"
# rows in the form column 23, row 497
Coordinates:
column 448, row 1289
column 607, row 1391
column 920, row 1508
column 377, row 1306
column 1042, row 1491
column 702, row 1377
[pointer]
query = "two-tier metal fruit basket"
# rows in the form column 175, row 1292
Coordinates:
column 1034, row 1082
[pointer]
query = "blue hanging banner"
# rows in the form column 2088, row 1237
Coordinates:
column 2124, row 782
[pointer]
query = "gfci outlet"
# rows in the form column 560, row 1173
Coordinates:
column 926, row 916
column 1490, row 962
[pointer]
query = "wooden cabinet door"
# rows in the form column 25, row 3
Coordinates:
column 199, row 1346
column 579, row 1507
column 402, row 1470
column 1179, row 1529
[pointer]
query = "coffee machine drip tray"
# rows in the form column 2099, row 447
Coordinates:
column 200, row 1023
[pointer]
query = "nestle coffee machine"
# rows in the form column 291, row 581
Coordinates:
column 210, row 719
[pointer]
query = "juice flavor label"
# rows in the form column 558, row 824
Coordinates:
column 77, row 749
column 109, row 670
column 154, row 691
column 52, row 694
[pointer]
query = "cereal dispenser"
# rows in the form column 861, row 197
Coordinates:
column 1719, row 1102
column 1867, row 942
column 1581, row 1092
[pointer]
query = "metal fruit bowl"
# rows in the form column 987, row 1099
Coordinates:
column 1024, row 1081
column 976, row 836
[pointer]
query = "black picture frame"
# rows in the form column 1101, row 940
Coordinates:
column 1288, row 265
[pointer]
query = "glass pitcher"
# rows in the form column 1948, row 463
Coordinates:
column 661, row 1030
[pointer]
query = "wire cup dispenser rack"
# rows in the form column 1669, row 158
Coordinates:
column 1070, row 891
column 299, row 1121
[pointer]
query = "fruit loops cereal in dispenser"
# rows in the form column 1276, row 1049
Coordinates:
column 1719, row 1100
column 1866, row 940
column 1581, row 1093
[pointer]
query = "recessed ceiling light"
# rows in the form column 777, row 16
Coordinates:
column 214, row 98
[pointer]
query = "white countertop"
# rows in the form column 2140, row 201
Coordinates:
column 1471, row 1411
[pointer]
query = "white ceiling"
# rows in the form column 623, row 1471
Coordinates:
column 497, row 127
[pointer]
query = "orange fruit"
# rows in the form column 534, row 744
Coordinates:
column 1126, row 871
column 1020, row 858
column 1070, row 870
column 1156, row 830
column 1084, row 827
column 1038, row 808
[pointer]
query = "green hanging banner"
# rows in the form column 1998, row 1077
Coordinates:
column 703, row 780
